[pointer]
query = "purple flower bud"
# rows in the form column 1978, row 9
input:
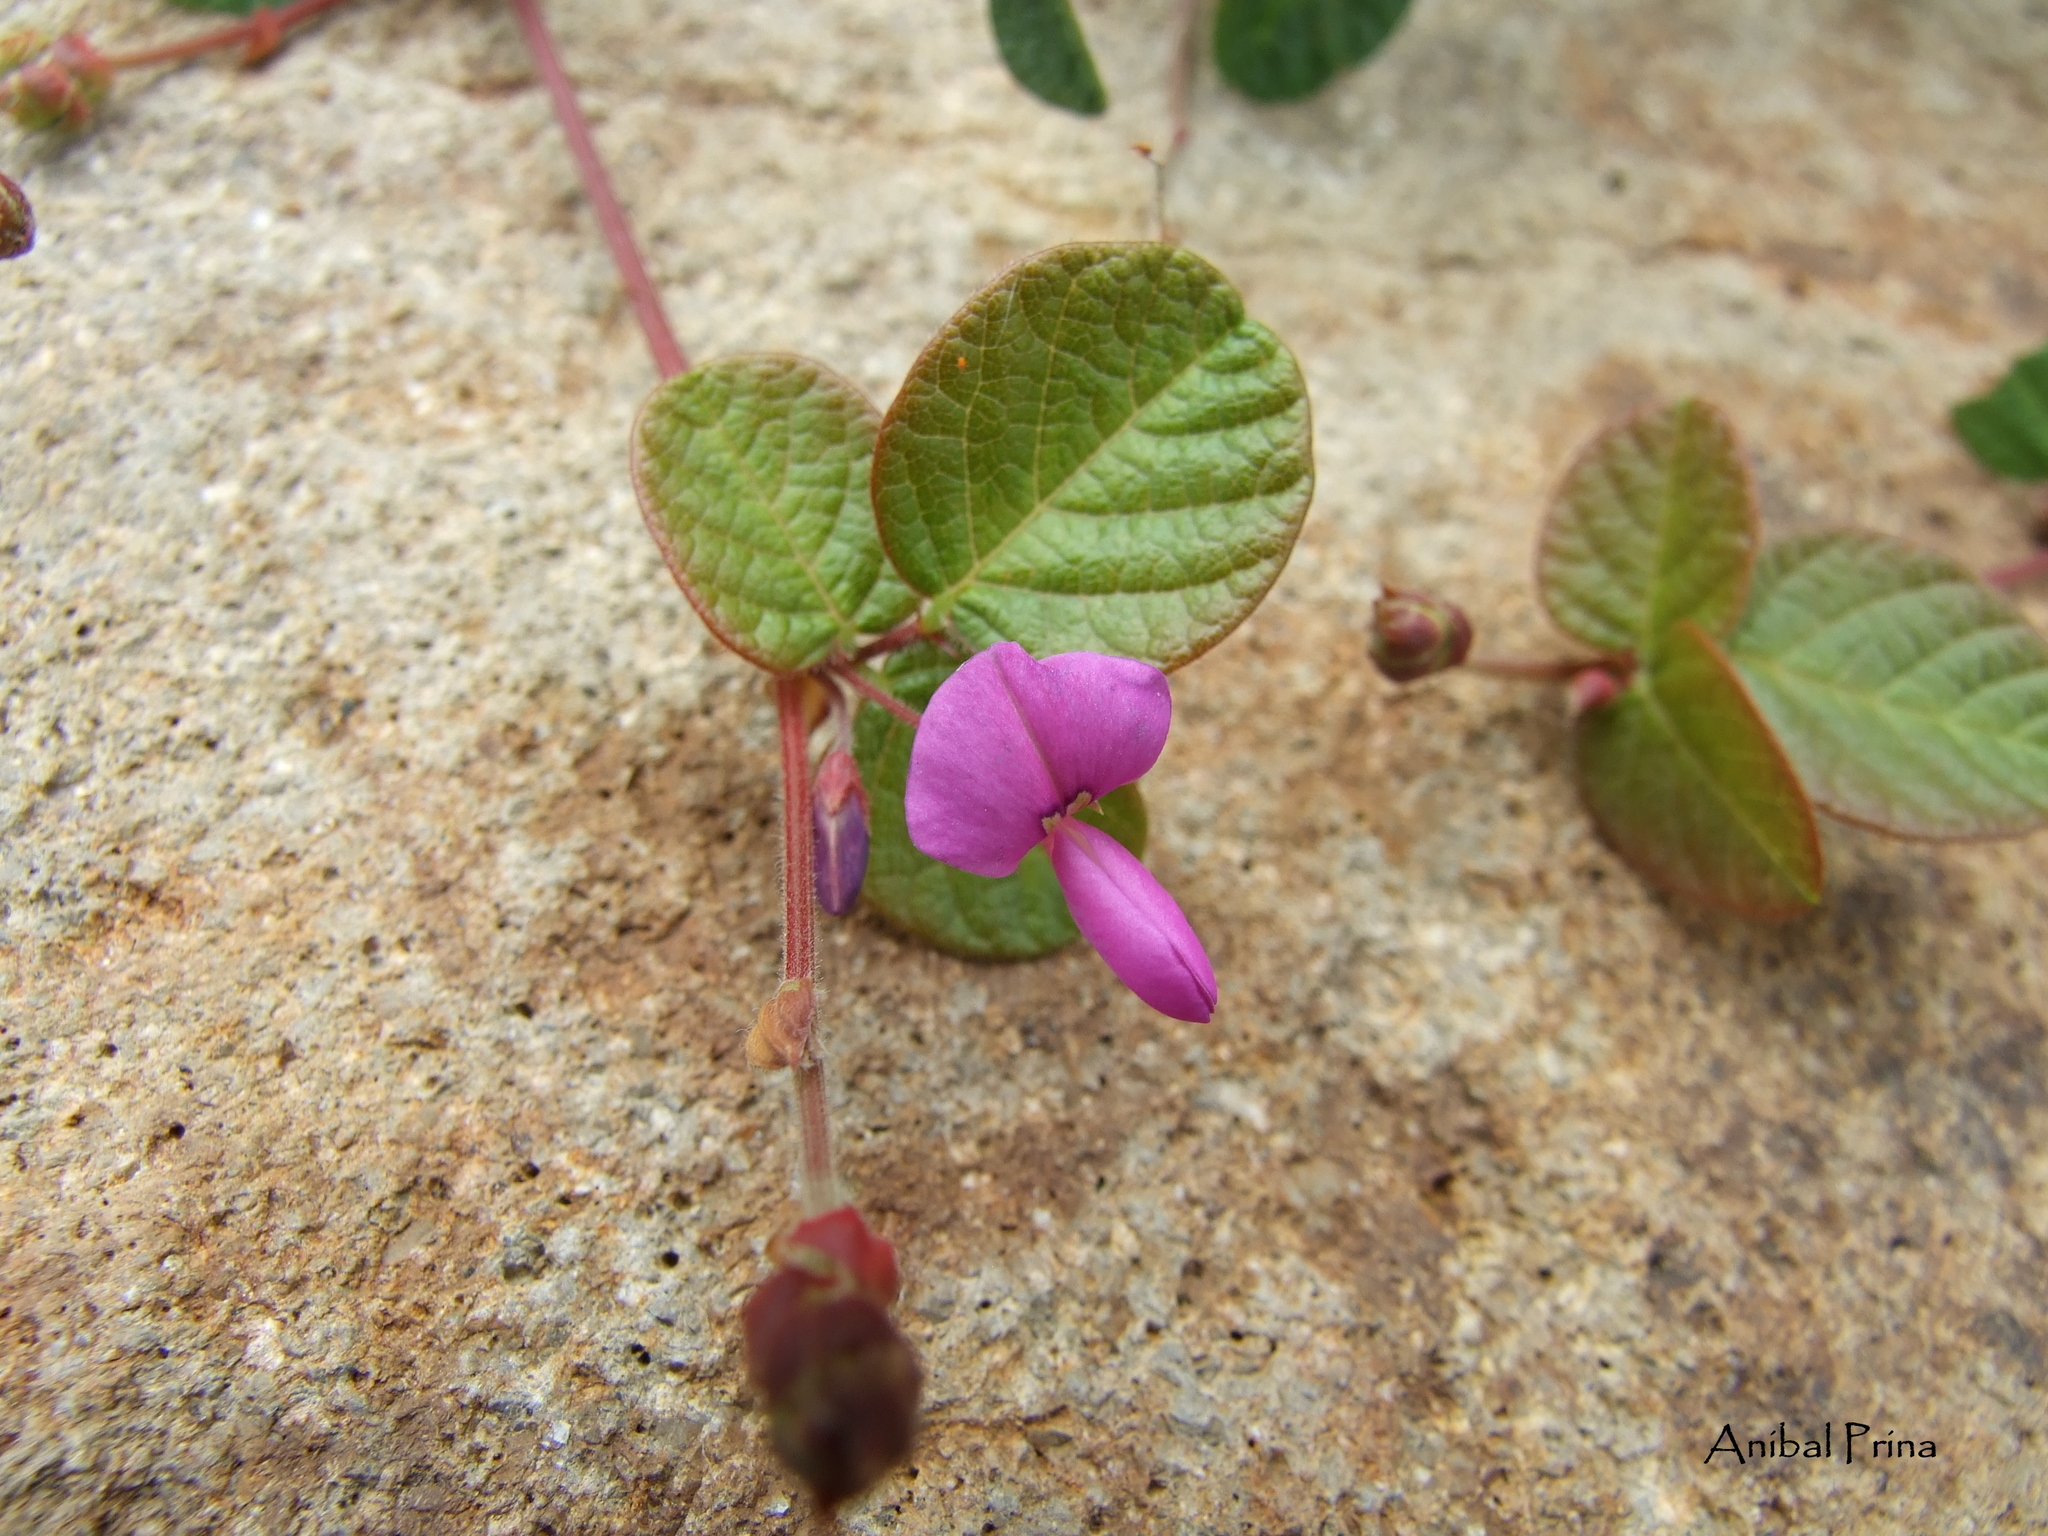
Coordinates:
column 17, row 222
column 839, row 825
column 1415, row 634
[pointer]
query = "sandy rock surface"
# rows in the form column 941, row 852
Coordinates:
column 387, row 857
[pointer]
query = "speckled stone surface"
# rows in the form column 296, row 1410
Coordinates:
column 387, row 858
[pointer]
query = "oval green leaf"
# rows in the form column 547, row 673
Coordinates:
column 1099, row 452
column 1284, row 50
column 1911, row 697
column 1014, row 918
column 2007, row 429
column 1685, row 780
column 1656, row 523
column 1041, row 42
column 752, row 475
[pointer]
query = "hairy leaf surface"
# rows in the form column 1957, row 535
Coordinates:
column 1910, row 696
column 1685, row 780
column 1042, row 44
column 752, row 475
column 1656, row 523
column 1283, row 50
column 1014, row 918
column 2007, row 429
column 1099, row 452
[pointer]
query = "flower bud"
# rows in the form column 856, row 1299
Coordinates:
column 1594, row 688
column 1415, row 634
column 839, row 827
column 59, row 91
column 781, row 1036
column 840, row 1380
column 17, row 221
column 85, row 64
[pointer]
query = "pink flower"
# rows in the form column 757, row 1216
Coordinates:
column 1009, row 750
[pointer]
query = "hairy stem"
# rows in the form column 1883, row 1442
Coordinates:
column 800, row 940
column 872, row 691
column 1528, row 670
column 260, row 34
column 597, row 186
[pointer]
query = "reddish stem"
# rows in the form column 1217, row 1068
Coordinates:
column 906, row 633
column 872, row 691
column 800, row 940
column 260, row 35
column 1532, row 671
column 2019, row 573
column 669, row 358
column 1180, row 78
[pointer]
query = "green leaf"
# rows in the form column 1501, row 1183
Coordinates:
column 1656, row 523
column 1685, row 780
column 1099, row 452
column 1910, row 696
column 1014, row 918
column 2008, row 428
column 752, row 475
column 1283, row 50
column 1042, row 43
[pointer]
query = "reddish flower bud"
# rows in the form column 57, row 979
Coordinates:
column 1415, row 634
column 59, row 91
column 17, row 221
column 841, row 1381
column 1594, row 688
column 839, row 826
column 85, row 64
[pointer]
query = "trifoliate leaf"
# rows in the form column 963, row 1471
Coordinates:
column 1283, row 50
column 1099, row 452
column 752, row 475
column 1014, row 918
column 1684, row 779
column 1910, row 696
column 2007, row 429
column 1656, row 523
column 1042, row 43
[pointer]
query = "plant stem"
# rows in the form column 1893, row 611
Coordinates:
column 260, row 34
column 1533, row 671
column 818, row 1188
column 2019, row 573
column 907, row 633
column 669, row 357
column 1180, row 77
column 872, row 691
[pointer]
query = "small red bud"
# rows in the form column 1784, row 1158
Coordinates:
column 76, row 56
column 1415, row 634
column 841, row 1381
column 839, row 827
column 17, row 221
column 1594, row 688
column 39, row 96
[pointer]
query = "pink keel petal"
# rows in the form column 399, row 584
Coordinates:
column 1133, row 924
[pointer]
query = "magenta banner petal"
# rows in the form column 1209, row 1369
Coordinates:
column 979, row 788
column 1132, row 922
column 1102, row 720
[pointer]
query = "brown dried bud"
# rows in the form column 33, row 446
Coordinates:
column 839, row 833
column 17, row 221
column 841, row 1381
column 1415, row 635
column 781, row 1035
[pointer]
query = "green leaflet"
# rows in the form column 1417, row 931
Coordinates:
column 1656, row 523
column 1283, row 50
column 1042, row 44
column 1684, row 779
column 752, row 475
column 1099, row 452
column 2007, row 429
column 1015, row 918
column 1910, row 696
